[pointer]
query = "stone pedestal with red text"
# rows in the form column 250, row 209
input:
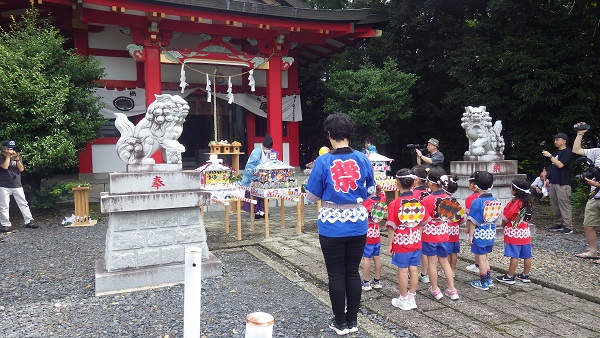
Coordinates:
column 504, row 171
column 154, row 216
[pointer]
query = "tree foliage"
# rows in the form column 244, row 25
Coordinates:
column 534, row 64
column 376, row 98
column 47, row 101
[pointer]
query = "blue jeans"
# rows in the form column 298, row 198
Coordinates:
column 342, row 258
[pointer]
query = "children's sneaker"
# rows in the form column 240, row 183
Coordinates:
column 479, row 285
column 442, row 274
column 556, row 228
column 366, row 286
column 473, row 268
column 412, row 301
column 437, row 294
column 376, row 284
column 452, row 294
column 506, row 280
column 340, row 329
column 423, row 278
column 489, row 282
column 402, row 303
column 523, row 278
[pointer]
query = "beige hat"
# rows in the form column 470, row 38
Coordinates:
column 434, row 141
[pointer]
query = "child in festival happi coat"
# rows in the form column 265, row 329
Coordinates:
column 517, row 235
column 482, row 228
column 456, row 217
column 376, row 207
column 435, row 234
column 468, row 201
column 420, row 190
column 405, row 216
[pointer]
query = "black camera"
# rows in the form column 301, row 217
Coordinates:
column 581, row 126
column 543, row 145
column 591, row 173
column 414, row 146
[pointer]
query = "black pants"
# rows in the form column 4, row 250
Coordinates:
column 342, row 258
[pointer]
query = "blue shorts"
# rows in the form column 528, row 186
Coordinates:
column 435, row 249
column 406, row 259
column 453, row 247
column 481, row 250
column 371, row 250
column 517, row 251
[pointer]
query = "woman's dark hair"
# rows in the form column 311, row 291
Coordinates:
column 339, row 126
column 435, row 174
column 449, row 183
column 404, row 179
column 483, row 180
column 520, row 187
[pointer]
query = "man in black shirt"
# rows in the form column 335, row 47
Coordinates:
column 560, row 184
column 11, row 167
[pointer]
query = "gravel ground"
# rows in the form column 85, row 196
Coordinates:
column 47, row 287
column 47, row 290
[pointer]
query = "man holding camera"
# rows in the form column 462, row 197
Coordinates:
column 591, row 217
column 560, row 184
column 11, row 167
column 434, row 158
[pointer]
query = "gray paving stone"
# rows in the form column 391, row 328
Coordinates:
column 466, row 325
column 539, row 303
column 491, row 315
column 581, row 318
column 526, row 330
column 541, row 319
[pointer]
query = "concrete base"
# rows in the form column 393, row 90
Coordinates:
column 504, row 172
column 130, row 280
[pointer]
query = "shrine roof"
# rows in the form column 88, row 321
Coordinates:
column 293, row 9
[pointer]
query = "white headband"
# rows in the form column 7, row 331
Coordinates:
column 407, row 176
column 486, row 190
column 523, row 190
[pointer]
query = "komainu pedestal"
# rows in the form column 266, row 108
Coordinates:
column 504, row 172
column 154, row 216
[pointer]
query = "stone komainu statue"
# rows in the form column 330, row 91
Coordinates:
column 484, row 139
column 160, row 128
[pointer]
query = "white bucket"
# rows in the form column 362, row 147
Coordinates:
column 259, row 325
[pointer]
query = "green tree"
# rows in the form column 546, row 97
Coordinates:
column 534, row 64
column 376, row 98
column 47, row 101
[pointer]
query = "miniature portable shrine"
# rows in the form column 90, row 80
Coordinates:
column 274, row 179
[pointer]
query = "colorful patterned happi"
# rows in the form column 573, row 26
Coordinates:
column 450, row 210
column 523, row 215
column 491, row 210
column 379, row 212
column 411, row 213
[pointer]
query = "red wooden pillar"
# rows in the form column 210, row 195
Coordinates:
column 274, row 110
column 153, row 82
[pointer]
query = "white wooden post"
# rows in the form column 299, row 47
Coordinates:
column 192, row 292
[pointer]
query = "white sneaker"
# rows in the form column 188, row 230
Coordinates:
column 452, row 294
column 437, row 294
column 412, row 301
column 402, row 303
column 473, row 268
column 423, row 278
column 366, row 286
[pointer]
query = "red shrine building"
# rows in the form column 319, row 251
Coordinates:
column 246, row 54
